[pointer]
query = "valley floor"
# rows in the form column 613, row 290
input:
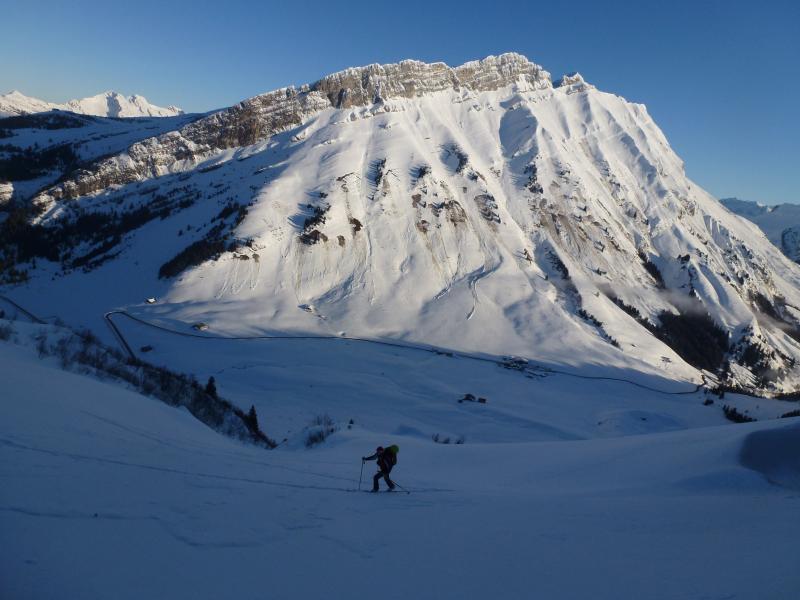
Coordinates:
column 561, row 490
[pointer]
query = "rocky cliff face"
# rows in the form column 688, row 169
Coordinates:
column 411, row 78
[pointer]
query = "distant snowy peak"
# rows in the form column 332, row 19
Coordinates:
column 114, row 104
column 780, row 223
column 107, row 104
column 17, row 103
column 746, row 208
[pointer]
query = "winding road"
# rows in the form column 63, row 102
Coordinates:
column 523, row 365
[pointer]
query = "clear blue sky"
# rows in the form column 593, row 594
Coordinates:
column 721, row 78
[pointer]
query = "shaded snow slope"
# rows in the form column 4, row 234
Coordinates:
column 780, row 223
column 776, row 454
column 414, row 392
column 478, row 207
column 107, row 104
column 38, row 149
column 103, row 489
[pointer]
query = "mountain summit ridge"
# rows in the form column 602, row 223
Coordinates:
column 368, row 84
column 261, row 116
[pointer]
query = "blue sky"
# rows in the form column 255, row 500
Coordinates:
column 722, row 79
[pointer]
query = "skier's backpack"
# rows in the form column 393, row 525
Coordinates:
column 391, row 454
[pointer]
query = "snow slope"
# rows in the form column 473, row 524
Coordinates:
column 415, row 392
column 478, row 207
column 107, row 104
column 780, row 223
column 105, row 492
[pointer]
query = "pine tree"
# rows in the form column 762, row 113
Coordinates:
column 252, row 419
column 211, row 387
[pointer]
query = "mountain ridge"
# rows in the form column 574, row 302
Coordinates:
column 263, row 115
column 779, row 222
column 106, row 104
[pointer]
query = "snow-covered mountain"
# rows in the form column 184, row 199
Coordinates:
column 107, row 104
column 780, row 223
column 481, row 207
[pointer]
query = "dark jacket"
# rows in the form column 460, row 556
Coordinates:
column 386, row 459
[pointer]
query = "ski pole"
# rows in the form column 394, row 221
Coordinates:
column 400, row 486
column 361, row 475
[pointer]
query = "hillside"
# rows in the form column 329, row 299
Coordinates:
column 36, row 150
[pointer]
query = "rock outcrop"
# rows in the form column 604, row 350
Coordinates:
column 410, row 78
